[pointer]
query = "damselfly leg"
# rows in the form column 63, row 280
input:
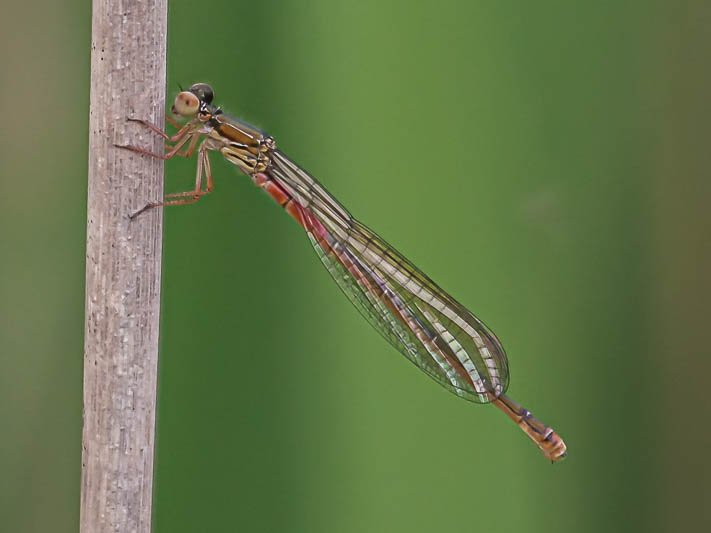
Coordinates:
column 182, row 129
column 185, row 134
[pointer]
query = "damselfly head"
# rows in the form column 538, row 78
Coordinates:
column 186, row 104
column 203, row 91
column 197, row 98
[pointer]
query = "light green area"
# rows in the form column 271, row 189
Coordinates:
column 545, row 162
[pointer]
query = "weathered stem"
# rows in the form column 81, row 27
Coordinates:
column 123, row 259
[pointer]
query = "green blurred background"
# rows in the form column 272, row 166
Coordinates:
column 545, row 162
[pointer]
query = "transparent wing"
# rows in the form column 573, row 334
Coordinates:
column 421, row 320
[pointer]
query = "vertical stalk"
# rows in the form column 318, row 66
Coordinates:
column 123, row 260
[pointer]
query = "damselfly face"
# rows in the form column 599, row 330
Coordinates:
column 194, row 101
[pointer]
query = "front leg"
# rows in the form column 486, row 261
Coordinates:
column 155, row 129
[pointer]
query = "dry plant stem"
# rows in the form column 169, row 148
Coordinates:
column 123, row 274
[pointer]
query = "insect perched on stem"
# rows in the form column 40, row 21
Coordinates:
column 427, row 325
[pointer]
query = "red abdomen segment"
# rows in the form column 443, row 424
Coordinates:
column 280, row 196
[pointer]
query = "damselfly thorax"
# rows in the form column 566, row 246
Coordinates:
column 240, row 143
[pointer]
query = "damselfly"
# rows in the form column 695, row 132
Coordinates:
column 427, row 325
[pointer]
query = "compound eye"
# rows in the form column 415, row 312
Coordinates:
column 186, row 104
column 203, row 91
